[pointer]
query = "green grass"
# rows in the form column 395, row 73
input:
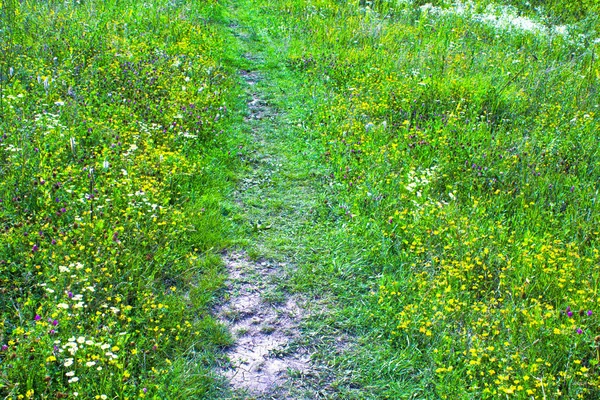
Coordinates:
column 453, row 212
column 113, row 168
column 433, row 179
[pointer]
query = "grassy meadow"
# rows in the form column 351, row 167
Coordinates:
column 113, row 162
column 456, row 165
column 462, row 185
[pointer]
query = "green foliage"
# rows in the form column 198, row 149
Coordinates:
column 462, row 168
column 561, row 10
column 112, row 115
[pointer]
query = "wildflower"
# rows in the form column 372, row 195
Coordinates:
column 569, row 312
column 4, row 347
column 37, row 317
column 589, row 313
column 35, row 248
column 579, row 331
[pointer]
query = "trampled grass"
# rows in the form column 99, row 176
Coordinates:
column 455, row 164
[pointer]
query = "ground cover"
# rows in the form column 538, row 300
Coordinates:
column 113, row 165
column 429, row 179
column 463, row 192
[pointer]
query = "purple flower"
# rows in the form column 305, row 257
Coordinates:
column 569, row 312
column 4, row 347
column 55, row 322
column 52, row 331
column 35, row 248
column 589, row 313
column 37, row 317
column 579, row 331
column 70, row 294
column 63, row 210
column 53, row 241
column 144, row 390
column 55, row 348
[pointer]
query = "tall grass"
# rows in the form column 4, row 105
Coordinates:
column 464, row 172
column 113, row 162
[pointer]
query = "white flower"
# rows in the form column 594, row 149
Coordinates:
column 62, row 305
column 81, row 340
column 90, row 363
column 70, row 373
column 68, row 362
column 73, row 380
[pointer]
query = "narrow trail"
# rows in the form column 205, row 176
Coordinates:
column 266, row 356
column 287, row 343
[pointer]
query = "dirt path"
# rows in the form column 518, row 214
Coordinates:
column 266, row 356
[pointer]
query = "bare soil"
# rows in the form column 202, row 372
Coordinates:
column 264, row 356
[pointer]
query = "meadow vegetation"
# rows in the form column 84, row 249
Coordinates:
column 113, row 161
column 456, row 166
column 463, row 180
